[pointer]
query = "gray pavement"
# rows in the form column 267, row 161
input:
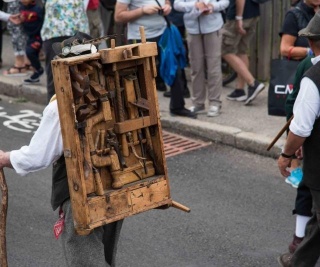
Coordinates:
column 248, row 128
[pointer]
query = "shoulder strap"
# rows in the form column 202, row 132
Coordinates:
column 165, row 17
column 302, row 11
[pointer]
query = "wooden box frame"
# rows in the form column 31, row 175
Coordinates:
column 82, row 111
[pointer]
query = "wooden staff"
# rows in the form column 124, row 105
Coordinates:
column 285, row 127
column 3, row 219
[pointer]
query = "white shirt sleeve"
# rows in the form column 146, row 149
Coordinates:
column 45, row 147
column 306, row 108
column 4, row 16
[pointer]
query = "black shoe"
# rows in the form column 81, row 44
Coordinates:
column 35, row 77
column 237, row 95
column 161, row 87
column 253, row 91
column 184, row 113
column 167, row 94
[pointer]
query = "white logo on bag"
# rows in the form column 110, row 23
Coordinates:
column 283, row 89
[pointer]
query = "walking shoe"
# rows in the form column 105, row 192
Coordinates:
column 167, row 94
column 237, row 95
column 161, row 87
column 35, row 77
column 285, row 259
column 295, row 177
column 253, row 91
column 214, row 111
column 196, row 108
column 294, row 244
column 184, row 113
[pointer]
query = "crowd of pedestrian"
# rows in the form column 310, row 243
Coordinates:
column 201, row 26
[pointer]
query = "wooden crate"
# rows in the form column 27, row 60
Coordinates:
column 112, row 134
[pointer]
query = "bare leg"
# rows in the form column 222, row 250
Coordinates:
column 240, row 81
column 240, row 65
column 19, row 61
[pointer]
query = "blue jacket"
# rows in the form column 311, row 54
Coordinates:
column 172, row 54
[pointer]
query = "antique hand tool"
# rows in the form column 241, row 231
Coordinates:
column 80, row 83
column 143, row 151
column 124, row 143
column 131, row 144
column 113, row 142
column 98, row 182
column 131, row 98
column 146, row 129
column 129, row 86
column 3, row 219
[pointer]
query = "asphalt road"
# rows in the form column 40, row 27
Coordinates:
column 240, row 209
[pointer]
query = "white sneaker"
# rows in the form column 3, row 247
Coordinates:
column 196, row 109
column 214, row 111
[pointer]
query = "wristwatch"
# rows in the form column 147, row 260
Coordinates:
column 286, row 156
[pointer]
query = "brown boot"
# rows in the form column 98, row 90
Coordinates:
column 294, row 244
column 285, row 259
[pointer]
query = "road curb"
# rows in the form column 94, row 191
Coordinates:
column 226, row 135
column 14, row 88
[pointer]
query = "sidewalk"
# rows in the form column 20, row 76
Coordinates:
column 244, row 127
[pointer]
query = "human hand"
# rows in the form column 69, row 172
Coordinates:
column 299, row 153
column 202, row 7
column 166, row 9
column 15, row 19
column 208, row 10
column 150, row 9
column 5, row 159
column 283, row 164
column 240, row 28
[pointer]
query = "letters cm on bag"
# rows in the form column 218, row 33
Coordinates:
column 282, row 72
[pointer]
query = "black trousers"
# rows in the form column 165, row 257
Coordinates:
column 50, row 54
column 303, row 204
column 33, row 47
column 177, row 90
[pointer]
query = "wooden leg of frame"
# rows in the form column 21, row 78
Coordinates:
column 179, row 206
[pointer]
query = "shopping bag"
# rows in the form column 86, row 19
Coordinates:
column 282, row 73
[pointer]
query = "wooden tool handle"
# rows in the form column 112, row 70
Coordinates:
column 3, row 219
column 285, row 127
column 124, row 143
column 142, row 35
column 179, row 206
